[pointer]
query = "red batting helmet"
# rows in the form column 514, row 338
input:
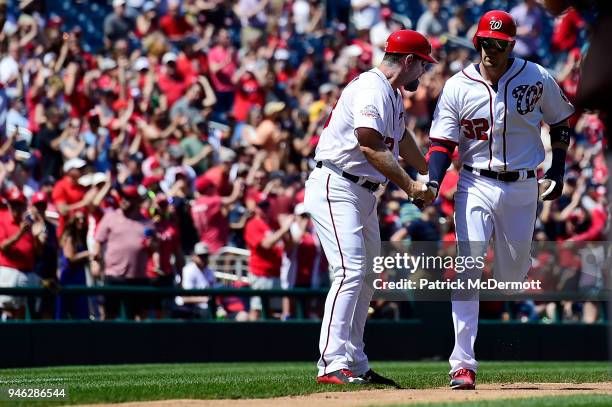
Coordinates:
column 495, row 24
column 409, row 42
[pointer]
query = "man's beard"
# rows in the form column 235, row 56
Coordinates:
column 412, row 86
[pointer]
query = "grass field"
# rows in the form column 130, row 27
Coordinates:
column 95, row 384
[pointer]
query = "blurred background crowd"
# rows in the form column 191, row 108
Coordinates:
column 141, row 139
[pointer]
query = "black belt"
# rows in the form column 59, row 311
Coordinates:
column 506, row 176
column 369, row 185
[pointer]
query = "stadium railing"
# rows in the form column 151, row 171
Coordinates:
column 300, row 295
column 230, row 264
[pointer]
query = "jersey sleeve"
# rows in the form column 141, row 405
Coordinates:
column 555, row 105
column 369, row 110
column 445, row 124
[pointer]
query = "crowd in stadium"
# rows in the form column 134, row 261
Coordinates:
column 192, row 128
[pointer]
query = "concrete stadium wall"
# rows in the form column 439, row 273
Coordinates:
column 88, row 343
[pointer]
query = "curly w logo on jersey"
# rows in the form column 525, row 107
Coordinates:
column 527, row 97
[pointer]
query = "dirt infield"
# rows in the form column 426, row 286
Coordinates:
column 392, row 396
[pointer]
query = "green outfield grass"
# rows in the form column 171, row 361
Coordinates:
column 91, row 384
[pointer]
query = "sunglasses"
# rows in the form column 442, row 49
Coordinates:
column 492, row 43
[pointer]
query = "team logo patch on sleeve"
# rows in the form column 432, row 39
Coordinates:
column 370, row 111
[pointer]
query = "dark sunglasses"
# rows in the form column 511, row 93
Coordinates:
column 492, row 43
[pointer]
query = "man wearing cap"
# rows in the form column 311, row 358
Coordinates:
column 17, row 252
column 126, row 236
column 68, row 195
column 493, row 112
column 198, row 276
column 170, row 81
column 357, row 152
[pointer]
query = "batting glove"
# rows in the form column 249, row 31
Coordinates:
column 552, row 183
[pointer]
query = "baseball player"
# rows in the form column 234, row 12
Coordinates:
column 358, row 152
column 492, row 111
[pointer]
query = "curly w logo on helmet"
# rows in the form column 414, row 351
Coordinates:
column 495, row 24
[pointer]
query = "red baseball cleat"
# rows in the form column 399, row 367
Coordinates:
column 342, row 376
column 463, row 379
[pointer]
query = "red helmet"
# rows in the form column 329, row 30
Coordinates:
column 495, row 24
column 409, row 42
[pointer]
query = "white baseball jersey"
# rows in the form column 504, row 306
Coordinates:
column 367, row 101
column 499, row 130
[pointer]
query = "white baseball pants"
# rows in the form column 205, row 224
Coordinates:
column 486, row 208
column 346, row 222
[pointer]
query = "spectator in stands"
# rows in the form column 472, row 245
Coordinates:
column 197, row 149
column 73, row 146
column 305, row 262
column 147, row 22
column 48, row 140
column 174, row 25
column 566, row 31
column 270, row 137
column 253, row 18
column 17, row 253
column 171, row 82
column 68, row 195
column 529, row 18
column 223, row 65
column 74, row 257
column 197, row 99
column 249, row 94
column 431, row 23
column 162, row 272
column 210, row 212
column 97, row 142
column 21, row 174
column 220, row 173
column 381, row 31
column 197, row 275
column 46, row 261
column 366, row 13
column 266, row 247
column 117, row 25
column 458, row 24
column 127, row 239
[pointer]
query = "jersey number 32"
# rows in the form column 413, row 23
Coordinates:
column 475, row 129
